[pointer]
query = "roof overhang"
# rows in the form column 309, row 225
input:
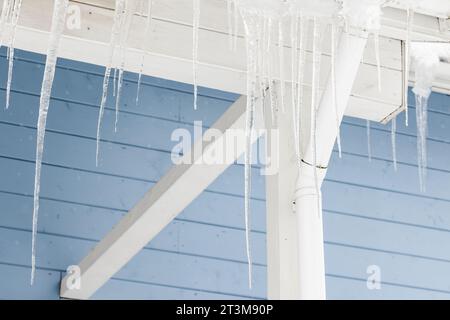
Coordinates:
column 170, row 48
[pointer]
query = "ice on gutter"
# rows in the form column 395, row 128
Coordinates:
column 425, row 58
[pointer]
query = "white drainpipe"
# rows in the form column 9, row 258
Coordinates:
column 310, row 228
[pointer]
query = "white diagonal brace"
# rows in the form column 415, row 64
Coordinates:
column 159, row 206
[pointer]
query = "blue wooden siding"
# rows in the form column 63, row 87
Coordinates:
column 373, row 215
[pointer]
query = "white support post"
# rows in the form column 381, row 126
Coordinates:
column 295, row 250
column 282, row 244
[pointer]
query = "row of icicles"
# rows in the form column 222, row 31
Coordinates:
column 265, row 70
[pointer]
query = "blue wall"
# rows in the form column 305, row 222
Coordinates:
column 373, row 215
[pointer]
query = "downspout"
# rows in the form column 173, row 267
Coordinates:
column 309, row 217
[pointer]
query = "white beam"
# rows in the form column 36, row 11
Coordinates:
column 175, row 191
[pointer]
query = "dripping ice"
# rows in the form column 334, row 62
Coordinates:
column 258, row 20
column 146, row 34
column 425, row 58
column 57, row 28
column 123, row 13
column 264, row 21
column 195, row 31
column 9, row 18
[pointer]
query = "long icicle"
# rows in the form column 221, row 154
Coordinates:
column 114, row 78
column 300, row 75
column 118, row 16
column 314, row 102
column 294, row 67
column 57, row 28
column 144, row 51
column 119, row 86
column 376, row 42
column 421, row 116
column 195, row 31
column 251, row 31
column 14, row 21
column 131, row 6
column 409, row 23
column 333, row 85
column 281, row 62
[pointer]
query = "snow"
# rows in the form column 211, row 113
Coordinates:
column 363, row 13
column 57, row 28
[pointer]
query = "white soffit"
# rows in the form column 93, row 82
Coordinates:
column 170, row 48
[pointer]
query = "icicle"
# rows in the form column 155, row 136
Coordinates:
column 253, row 44
column 247, row 191
column 409, row 24
column 247, row 173
column 369, row 143
column 115, row 82
column 294, row 27
column 426, row 58
column 376, row 42
column 10, row 72
column 300, row 75
column 57, row 28
column 421, row 118
column 196, row 22
column 118, row 94
column 333, row 86
column 281, row 61
column 144, row 52
column 14, row 20
column 294, row 61
column 124, row 29
column 393, row 142
column 119, row 32
column 315, row 100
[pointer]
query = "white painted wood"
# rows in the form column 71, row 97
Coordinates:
column 281, row 236
column 170, row 50
column 313, row 167
column 159, row 206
